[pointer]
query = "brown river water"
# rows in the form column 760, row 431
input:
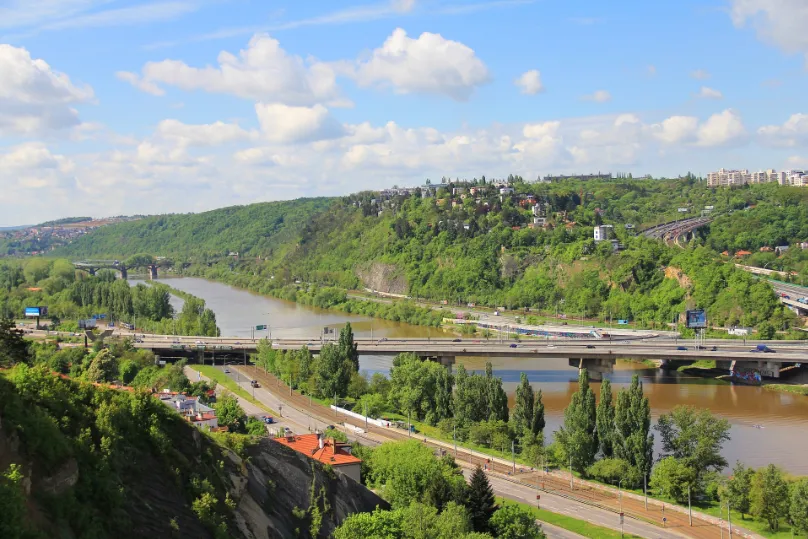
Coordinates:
column 783, row 440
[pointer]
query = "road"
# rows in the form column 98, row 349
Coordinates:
column 555, row 483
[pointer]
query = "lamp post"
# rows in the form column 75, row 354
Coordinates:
column 572, row 487
column 645, row 490
column 620, row 494
column 689, row 507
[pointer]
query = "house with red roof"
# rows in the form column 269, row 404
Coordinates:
column 327, row 451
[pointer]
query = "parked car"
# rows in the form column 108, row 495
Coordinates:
column 763, row 349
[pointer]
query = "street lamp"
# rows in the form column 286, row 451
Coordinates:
column 620, row 493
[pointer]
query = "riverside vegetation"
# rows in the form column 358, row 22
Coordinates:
column 611, row 440
column 479, row 249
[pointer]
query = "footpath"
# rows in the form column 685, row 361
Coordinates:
column 665, row 518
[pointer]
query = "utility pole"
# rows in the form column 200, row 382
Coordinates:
column 689, row 508
column 645, row 490
column 366, row 416
column 335, row 404
column 513, row 457
column 572, row 487
column 729, row 518
column 620, row 494
column 454, row 439
column 409, row 425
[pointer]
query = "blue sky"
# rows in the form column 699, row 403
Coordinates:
column 122, row 106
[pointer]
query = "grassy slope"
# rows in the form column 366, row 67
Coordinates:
column 222, row 379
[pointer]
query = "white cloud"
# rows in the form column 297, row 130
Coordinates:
column 530, row 82
column 710, row 93
column 700, row 74
column 600, row 96
column 215, row 134
column 676, row 129
column 546, row 129
column 143, row 85
column 793, row 132
column 35, row 99
column 284, row 124
column 127, row 16
column 32, row 171
column 429, row 64
column 779, row 22
column 721, row 129
column 263, row 72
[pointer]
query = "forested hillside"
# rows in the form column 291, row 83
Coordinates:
column 248, row 230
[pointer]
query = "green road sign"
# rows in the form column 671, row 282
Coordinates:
column 259, row 328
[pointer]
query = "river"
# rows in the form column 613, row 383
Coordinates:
column 784, row 416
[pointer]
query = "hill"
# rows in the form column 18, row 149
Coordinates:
column 257, row 229
column 77, row 461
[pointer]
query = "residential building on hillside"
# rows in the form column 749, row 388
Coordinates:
column 604, row 232
column 327, row 451
column 726, row 178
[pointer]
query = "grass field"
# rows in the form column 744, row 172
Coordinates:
column 574, row 525
column 222, row 379
column 788, row 388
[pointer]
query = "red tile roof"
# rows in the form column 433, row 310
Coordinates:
column 332, row 453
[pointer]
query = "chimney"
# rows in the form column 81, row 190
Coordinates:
column 320, row 440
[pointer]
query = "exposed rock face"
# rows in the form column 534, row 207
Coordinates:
column 286, row 491
column 386, row 278
column 64, row 478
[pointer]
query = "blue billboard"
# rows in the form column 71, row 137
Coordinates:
column 622, row 322
column 696, row 319
column 36, row 312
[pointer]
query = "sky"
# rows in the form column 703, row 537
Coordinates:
column 119, row 107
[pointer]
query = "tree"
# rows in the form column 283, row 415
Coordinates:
column 739, row 487
column 103, row 368
column 632, row 440
column 798, row 509
column 513, row 522
column 453, row 522
column 671, row 478
column 694, row 436
column 12, row 504
column 480, row 501
column 333, row 372
column 522, row 415
column 605, row 419
column 769, row 496
column 378, row 524
column 538, row 414
column 13, row 346
column 230, row 414
column 577, row 436
column 358, row 385
column 347, row 346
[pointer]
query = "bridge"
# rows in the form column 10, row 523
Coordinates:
column 788, row 293
column 674, row 230
column 596, row 355
column 122, row 267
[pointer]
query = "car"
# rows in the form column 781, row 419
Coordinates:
column 226, row 370
column 762, row 348
column 714, row 349
column 254, row 383
column 681, row 347
column 590, row 346
column 513, row 345
column 268, row 419
column 550, row 346
column 625, row 342
column 238, row 343
column 457, row 340
column 199, row 342
column 383, row 339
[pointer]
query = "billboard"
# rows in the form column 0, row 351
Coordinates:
column 87, row 324
column 36, row 312
column 696, row 319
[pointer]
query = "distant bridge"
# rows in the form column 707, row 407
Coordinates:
column 122, row 267
column 596, row 355
column 674, row 230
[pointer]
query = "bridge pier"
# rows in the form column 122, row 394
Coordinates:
column 596, row 367
column 124, row 274
column 152, row 272
column 91, row 271
column 446, row 361
column 769, row 369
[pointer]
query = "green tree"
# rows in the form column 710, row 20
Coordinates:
column 480, row 501
column 12, row 504
column 453, row 522
column 632, row 439
column 605, row 419
column 671, row 478
column 577, row 436
column 333, row 372
column 229, row 414
column 695, row 437
column 769, row 496
column 522, row 415
column 103, row 368
column 347, row 346
column 14, row 348
column 538, row 414
column 798, row 508
column 376, row 525
column 513, row 522
column 739, row 487
column 766, row 331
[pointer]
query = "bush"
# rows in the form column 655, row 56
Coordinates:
column 671, row 478
column 613, row 470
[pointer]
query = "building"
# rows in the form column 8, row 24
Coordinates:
column 604, row 232
column 726, row 178
column 191, row 409
column 327, row 451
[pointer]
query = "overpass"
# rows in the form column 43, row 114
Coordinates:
column 596, row 355
column 674, row 230
column 92, row 266
column 793, row 291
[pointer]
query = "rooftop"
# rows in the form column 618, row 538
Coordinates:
column 333, row 453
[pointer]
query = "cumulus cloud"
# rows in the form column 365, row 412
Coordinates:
column 284, row 124
column 710, row 93
column 778, row 22
column 721, row 129
column 141, row 84
column 429, row 64
column 262, row 72
column 215, row 134
column 600, row 96
column 676, row 129
column 793, row 132
column 530, row 82
column 35, row 99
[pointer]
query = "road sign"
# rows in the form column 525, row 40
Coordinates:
column 259, row 328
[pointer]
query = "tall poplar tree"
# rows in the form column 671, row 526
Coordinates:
column 347, row 346
column 538, row 414
column 632, row 421
column 522, row 415
column 577, row 436
column 605, row 419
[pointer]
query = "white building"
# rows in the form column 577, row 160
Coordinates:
column 604, row 232
column 725, row 178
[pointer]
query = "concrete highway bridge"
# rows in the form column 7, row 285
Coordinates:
column 92, row 266
column 675, row 230
column 598, row 356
